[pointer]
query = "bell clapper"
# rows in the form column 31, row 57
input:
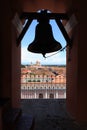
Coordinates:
column 44, row 55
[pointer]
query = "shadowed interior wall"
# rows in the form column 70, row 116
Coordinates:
column 5, row 50
column 82, row 64
column 52, row 5
column 10, row 55
column 77, row 68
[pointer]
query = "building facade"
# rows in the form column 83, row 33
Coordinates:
column 43, row 90
column 43, row 82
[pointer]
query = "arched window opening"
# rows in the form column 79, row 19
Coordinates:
column 37, row 71
column 41, row 96
column 51, row 95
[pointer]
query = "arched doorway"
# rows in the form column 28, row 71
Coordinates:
column 51, row 95
column 40, row 95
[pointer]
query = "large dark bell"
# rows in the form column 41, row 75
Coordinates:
column 44, row 41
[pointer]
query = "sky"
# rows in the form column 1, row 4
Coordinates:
column 56, row 58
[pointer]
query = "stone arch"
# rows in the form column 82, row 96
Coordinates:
column 41, row 95
column 51, row 95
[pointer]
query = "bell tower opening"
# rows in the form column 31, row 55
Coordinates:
column 40, row 73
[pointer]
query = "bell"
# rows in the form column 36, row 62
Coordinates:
column 44, row 41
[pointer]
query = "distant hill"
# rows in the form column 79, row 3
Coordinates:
column 55, row 65
column 23, row 66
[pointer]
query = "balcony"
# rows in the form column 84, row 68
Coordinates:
column 49, row 114
column 44, row 97
column 46, row 102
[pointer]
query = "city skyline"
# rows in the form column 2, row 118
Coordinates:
column 56, row 58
